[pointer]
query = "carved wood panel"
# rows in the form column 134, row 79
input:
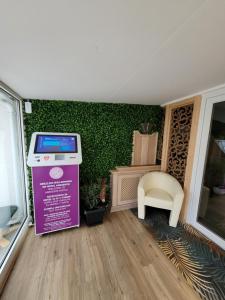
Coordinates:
column 160, row 139
column 181, row 120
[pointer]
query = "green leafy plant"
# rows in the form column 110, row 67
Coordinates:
column 146, row 128
column 90, row 195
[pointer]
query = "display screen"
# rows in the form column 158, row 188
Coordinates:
column 56, row 144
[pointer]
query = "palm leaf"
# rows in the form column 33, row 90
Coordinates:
column 192, row 271
column 200, row 261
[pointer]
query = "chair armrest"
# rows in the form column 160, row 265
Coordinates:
column 141, row 182
column 140, row 192
column 178, row 200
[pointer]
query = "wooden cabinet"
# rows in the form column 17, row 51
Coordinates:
column 124, row 182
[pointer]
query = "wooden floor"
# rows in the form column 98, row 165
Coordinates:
column 116, row 260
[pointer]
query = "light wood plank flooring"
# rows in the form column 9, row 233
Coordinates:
column 116, row 260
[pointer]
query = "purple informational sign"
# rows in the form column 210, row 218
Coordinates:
column 56, row 197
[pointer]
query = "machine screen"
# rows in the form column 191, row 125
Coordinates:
column 55, row 144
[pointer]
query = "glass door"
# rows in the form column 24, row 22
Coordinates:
column 13, row 205
column 211, row 210
column 207, row 208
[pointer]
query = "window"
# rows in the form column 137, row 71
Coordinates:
column 13, row 210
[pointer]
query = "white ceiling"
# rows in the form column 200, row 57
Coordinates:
column 134, row 51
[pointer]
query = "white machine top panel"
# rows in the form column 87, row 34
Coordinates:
column 54, row 149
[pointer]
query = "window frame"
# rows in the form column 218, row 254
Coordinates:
column 13, row 251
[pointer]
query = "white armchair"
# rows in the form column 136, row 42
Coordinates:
column 161, row 190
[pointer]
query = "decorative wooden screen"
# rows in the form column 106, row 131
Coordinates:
column 160, row 140
column 179, row 138
column 180, row 130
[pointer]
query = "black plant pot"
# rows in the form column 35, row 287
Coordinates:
column 94, row 216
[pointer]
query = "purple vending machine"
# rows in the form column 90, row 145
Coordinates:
column 55, row 160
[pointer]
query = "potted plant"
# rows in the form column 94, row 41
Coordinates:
column 93, row 196
column 146, row 128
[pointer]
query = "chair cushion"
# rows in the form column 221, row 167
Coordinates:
column 158, row 198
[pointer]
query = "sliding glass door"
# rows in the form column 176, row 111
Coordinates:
column 211, row 210
column 207, row 210
column 13, row 207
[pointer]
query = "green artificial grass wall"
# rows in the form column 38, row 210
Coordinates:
column 106, row 130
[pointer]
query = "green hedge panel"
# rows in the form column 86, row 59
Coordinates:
column 106, row 130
